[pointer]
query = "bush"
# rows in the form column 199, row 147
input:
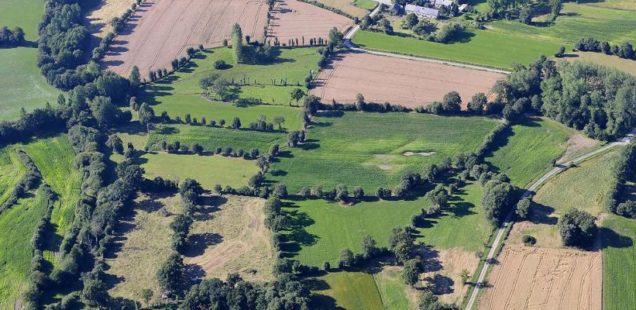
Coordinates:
column 528, row 240
column 577, row 228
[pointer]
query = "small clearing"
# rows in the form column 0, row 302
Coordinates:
column 411, row 83
column 444, row 272
column 537, row 278
column 295, row 20
column 162, row 30
column 577, row 144
column 234, row 239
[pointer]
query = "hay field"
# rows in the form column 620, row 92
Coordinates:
column 162, row 30
column 536, row 278
column 625, row 65
column 245, row 243
column 101, row 16
column 399, row 81
column 295, row 20
column 348, row 6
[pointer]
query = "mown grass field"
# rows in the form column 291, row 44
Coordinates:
column 505, row 43
column 395, row 294
column 356, row 8
column 349, row 290
column 11, row 170
column 529, row 151
column 366, row 149
column 619, row 262
column 181, row 91
column 22, row 83
column 208, row 170
column 211, row 138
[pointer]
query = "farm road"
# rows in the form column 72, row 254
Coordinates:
column 538, row 183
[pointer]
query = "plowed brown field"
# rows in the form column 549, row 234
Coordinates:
column 539, row 278
column 162, row 30
column 295, row 20
column 410, row 83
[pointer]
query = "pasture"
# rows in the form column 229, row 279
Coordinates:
column 619, row 262
column 162, row 30
column 505, row 43
column 585, row 187
column 233, row 239
column 300, row 21
column 530, row 150
column 349, row 290
column 211, row 138
column 355, row 8
column 625, row 65
column 273, row 83
column 208, row 170
column 367, row 149
column 23, row 86
column 410, row 83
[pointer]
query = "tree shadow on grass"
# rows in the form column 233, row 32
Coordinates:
column 198, row 243
column 612, row 239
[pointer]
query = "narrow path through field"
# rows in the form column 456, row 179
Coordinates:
column 501, row 233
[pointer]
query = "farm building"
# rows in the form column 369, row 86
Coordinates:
column 421, row 11
column 440, row 3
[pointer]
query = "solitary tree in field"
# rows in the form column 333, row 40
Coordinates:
column 237, row 42
column 146, row 114
column 135, row 77
column 279, row 120
column 297, row 94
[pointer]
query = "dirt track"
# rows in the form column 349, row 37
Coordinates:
column 292, row 19
column 538, row 278
column 162, row 30
column 410, row 83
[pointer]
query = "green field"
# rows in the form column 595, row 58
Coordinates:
column 392, row 289
column 208, row 170
column 349, row 290
column 211, row 138
column 508, row 42
column 22, row 83
column 530, row 150
column 465, row 226
column 625, row 65
column 180, row 93
column 365, row 4
column 197, row 106
column 54, row 158
column 619, row 262
column 366, row 149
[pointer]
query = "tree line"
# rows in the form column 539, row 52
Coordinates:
column 28, row 182
column 624, row 50
column 11, row 37
column 621, row 201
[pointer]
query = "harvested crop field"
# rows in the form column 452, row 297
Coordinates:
column 162, row 30
column 410, row 83
column 295, row 20
column 101, row 16
column 537, row 278
column 233, row 239
column 443, row 275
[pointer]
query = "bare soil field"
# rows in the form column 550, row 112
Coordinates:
column 539, row 278
column 295, row 20
column 233, row 239
column 444, row 275
column 410, row 83
column 162, row 30
column 100, row 17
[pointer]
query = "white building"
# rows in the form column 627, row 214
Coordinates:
column 440, row 3
column 421, row 11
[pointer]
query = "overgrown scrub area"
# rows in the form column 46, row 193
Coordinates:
column 375, row 149
column 619, row 262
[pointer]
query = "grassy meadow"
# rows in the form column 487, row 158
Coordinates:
column 211, row 138
column 585, row 187
column 349, row 290
column 619, row 262
column 505, row 43
column 625, row 65
column 529, row 151
column 180, row 93
column 366, row 149
column 23, row 86
column 208, row 170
